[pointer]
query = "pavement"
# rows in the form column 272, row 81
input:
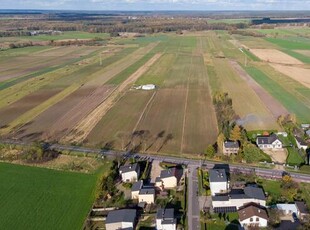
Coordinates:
column 193, row 211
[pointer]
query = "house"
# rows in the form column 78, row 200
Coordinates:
column 302, row 210
column 287, row 208
column 130, row 173
column 165, row 219
column 308, row 133
column 253, row 216
column 147, row 195
column 301, row 144
column 218, row 181
column 305, row 126
column 168, row 179
column 230, row 147
column 237, row 198
column 121, row 219
column 135, row 189
column 269, row 142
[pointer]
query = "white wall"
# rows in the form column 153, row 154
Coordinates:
column 237, row 203
column 148, row 198
column 159, row 226
column 169, row 182
column 129, row 176
column 218, row 187
column 261, row 222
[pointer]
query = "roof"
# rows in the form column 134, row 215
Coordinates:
column 225, row 209
column 137, row 186
column 267, row 139
column 250, row 211
column 254, row 192
column 220, row 198
column 301, row 206
column 287, row 207
column 300, row 141
column 129, row 168
column 165, row 214
column 122, row 215
column 167, row 173
column 217, row 175
column 247, row 192
column 308, row 132
column 145, row 191
column 231, row 144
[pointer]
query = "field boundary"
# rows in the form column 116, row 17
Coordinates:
column 81, row 130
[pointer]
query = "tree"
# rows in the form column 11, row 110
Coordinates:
column 235, row 133
column 210, row 151
column 274, row 217
column 220, row 141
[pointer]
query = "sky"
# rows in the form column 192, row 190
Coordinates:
column 157, row 4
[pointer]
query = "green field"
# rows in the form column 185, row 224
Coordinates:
column 292, row 44
column 36, row 198
column 281, row 94
column 293, row 157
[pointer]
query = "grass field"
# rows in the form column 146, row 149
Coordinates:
column 292, row 44
column 36, row 198
column 293, row 157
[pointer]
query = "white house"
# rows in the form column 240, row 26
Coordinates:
column 130, row 173
column 147, row 195
column 218, row 181
column 269, row 142
column 165, row 219
column 121, row 219
column 253, row 216
column 301, row 144
column 168, row 179
column 287, row 208
column 237, row 198
column 135, row 189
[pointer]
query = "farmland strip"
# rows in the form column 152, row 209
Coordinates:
column 81, row 131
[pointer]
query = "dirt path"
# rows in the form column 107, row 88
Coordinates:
column 275, row 107
column 81, row 131
column 144, row 110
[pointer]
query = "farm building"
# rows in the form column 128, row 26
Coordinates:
column 148, row 87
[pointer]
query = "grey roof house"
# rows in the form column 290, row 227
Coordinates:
column 121, row 219
column 269, row 142
column 165, row 219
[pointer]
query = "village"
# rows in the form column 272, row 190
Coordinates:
column 153, row 194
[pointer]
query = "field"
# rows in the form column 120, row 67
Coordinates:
column 35, row 198
column 89, row 94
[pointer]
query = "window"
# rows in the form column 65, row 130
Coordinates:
column 251, row 219
column 257, row 219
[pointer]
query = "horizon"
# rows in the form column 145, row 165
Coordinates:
column 158, row 5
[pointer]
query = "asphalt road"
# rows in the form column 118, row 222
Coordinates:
column 267, row 173
column 193, row 199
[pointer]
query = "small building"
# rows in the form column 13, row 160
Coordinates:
column 230, row 147
column 165, row 219
column 284, row 134
column 147, row 195
column 168, row 179
column 302, row 210
column 121, row 219
column 305, row 126
column 148, row 87
column 218, row 181
column 130, row 173
column 287, row 208
column 301, row 144
column 253, row 216
column 269, row 142
column 135, row 189
column 308, row 133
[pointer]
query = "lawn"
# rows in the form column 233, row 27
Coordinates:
column 37, row 198
column 293, row 157
column 305, row 187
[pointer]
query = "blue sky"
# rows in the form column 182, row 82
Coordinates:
column 157, row 4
